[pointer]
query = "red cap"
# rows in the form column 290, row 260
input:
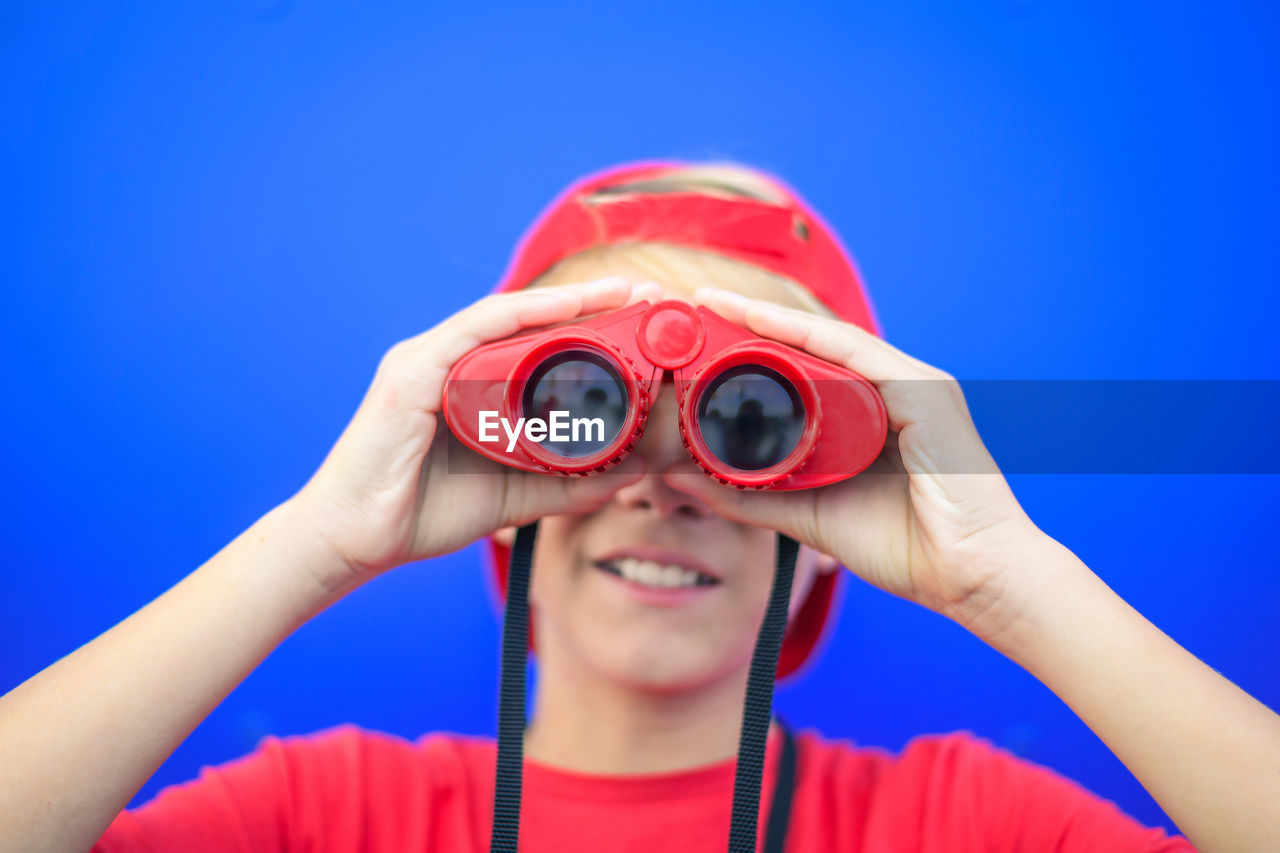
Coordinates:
column 789, row 239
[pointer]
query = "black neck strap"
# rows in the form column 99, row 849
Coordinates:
column 758, row 708
column 755, row 719
column 511, row 696
column 775, row 831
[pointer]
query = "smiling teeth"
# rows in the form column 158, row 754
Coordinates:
column 656, row 574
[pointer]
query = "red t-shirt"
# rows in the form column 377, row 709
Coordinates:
column 347, row 790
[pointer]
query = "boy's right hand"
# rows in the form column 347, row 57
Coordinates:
column 386, row 495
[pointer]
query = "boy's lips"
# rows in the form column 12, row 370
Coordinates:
column 657, row 575
column 663, row 557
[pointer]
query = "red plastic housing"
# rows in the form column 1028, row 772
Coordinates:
column 844, row 430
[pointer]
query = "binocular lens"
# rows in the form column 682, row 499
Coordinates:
column 751, row 417
column 583, row 400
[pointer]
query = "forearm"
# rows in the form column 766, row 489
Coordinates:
column 81, row 737
column 1205, row 750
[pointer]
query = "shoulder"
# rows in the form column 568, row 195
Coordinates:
column 944, row 787
column 349, row 746
column 321, row 788
column 935, row 766
column 936, row 755
column 348, row 760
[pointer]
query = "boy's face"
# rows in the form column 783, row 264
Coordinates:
column 595, row 622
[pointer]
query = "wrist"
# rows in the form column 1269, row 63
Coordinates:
column 301, row 550
column 1029, row 574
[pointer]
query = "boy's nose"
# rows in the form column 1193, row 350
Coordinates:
column 660, row 446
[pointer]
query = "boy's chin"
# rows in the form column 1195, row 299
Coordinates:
column 661, row 668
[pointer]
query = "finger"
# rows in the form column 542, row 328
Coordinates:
column 502, row 315
column 649, row 291
column 913, row 392
column 595, row 299
column 532, row 496
column 420, row 364
column 789, row 512
column 832, row 340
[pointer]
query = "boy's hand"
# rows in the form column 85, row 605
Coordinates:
column 931, row 519
column 387, row 495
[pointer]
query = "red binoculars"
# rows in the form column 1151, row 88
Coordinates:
column 753, row 413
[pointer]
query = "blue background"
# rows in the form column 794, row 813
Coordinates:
column 217, row 217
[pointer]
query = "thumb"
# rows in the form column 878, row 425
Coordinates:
column 781, row 511
column 534, row 495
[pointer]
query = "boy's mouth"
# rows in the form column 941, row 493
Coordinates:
column 652, row 573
